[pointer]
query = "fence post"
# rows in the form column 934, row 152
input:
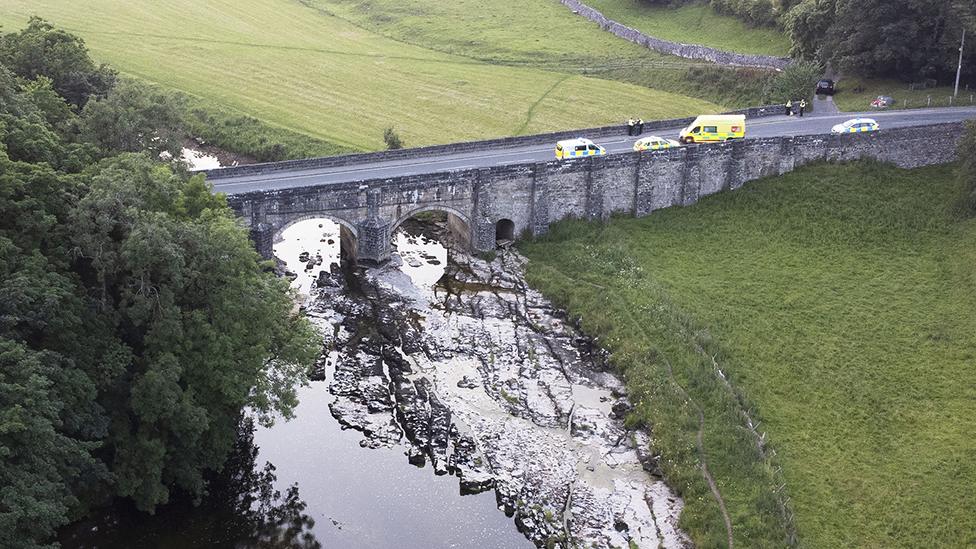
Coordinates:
column 930, row 101
column 950, row 100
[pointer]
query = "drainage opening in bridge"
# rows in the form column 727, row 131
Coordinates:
column 505, row 230
column 322, row 246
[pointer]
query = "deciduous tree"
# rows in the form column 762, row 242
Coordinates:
column 134, row 117
column 208, row 330
column 136, row 319
column 42, row 50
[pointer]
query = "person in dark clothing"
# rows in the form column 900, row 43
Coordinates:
column 803, row 105
column 640, row 126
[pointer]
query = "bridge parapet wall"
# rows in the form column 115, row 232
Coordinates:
column 468, row 146
column 532, row 196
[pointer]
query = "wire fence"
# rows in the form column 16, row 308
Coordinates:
column 934, row 100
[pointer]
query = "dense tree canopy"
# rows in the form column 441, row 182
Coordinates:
column 132, row 118
column 42, row 50
column 904, row 39
column 908, row 39
column 136, row 321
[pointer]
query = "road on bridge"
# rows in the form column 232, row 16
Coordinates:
column 773, row 126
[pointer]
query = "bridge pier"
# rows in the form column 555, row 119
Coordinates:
column 373, row 244
column 263, row 235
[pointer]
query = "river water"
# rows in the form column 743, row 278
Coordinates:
column 370, row 497
column 446, row 362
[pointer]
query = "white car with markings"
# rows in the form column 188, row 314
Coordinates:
column 856, row 125
column 654, row 143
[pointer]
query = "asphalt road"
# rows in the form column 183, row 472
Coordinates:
column 773, row 126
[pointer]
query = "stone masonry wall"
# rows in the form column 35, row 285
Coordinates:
column 688, row 51
column 535, row 195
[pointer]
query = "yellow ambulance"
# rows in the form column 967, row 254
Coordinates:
column 578, row 148
column 711, row 128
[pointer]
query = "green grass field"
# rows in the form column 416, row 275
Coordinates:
column 549, row 36
column 840, row 301
column 294, row 65
column 695, row 24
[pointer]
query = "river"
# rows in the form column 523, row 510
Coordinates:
column 451, row 364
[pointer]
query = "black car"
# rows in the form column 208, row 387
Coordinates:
column 825, row 87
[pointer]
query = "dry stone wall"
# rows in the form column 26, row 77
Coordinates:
column 688, row 51
column 535, row 195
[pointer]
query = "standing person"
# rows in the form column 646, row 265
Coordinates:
column 630, row 126
column 803, row 105
column 789, row 107
column 640, row 126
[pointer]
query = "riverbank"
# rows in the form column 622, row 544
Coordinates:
column 823, row 323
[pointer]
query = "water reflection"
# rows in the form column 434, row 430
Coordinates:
column 420, row 257
column 309, row 247
column 370, row 497
column 262, row 517
column 244, row 508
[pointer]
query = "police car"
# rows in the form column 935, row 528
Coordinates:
column 578, row 148
column 856, row 125
column 654, row 143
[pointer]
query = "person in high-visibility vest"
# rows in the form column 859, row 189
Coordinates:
column 803, row 105
column 789, row 107
column 630, row 126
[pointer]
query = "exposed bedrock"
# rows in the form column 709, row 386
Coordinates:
column 481, row 378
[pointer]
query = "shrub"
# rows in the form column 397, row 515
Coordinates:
column 795, row 82
column 392, row 139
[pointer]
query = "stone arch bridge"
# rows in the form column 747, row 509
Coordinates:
column 480, row 207
column 523, row 199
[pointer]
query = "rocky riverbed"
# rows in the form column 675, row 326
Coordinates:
column 477, row 375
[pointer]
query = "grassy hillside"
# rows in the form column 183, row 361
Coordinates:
column 547, row 35
column 695, row 24
column 294, row 65
column 840, row 302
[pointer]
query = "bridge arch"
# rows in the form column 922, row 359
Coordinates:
column 457, row 221
column 431, row 208
column 305, row 217
column 348, row 233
